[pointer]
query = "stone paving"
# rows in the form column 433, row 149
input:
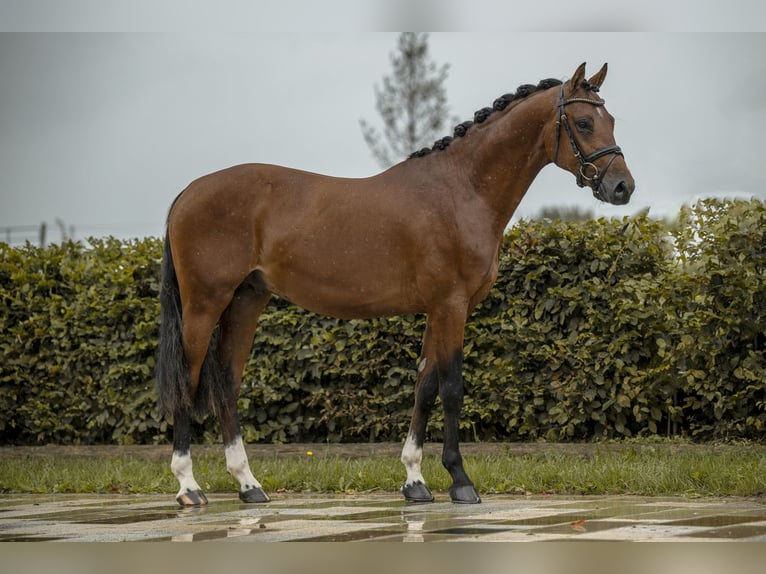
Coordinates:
column 379, row 517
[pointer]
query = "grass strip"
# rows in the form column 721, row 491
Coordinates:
column 728, row 470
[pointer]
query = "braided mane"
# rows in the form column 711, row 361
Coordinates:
column 481, row 115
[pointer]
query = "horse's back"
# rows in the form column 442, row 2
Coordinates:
column 256, row 187
column 334, row 245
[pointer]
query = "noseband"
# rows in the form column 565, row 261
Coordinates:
column 586, row 161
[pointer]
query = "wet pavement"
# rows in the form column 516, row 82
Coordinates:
column 379, row 517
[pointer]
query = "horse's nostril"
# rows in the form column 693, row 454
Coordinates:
column 621, row 190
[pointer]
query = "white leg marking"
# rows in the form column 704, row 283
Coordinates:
column 412, row 456
column 238, row 467
column 181, row 465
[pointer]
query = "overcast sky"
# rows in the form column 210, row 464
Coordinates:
column 104, row 130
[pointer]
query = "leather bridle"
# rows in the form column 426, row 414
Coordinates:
column 586, row 161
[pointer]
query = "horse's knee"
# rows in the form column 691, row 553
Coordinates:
column 451, row 393
column 426, row 390
column 451, row 459
column 451, row 384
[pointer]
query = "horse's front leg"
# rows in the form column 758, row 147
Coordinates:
column 451, row 392
column 439, row 371
column 426, row 389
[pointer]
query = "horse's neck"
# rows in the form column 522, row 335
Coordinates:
column 508, row 154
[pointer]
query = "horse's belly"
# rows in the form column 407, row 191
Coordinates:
column 352, row 294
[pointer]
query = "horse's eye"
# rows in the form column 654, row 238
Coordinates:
column 584, row 125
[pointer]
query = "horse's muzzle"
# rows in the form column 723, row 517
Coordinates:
column 615, row 189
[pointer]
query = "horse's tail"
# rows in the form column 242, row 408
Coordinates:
column 172, row 372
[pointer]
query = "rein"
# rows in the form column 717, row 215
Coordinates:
column 586, row 161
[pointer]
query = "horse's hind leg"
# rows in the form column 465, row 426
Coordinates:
column 190, row 493
column 198, row 326
column 238, row 326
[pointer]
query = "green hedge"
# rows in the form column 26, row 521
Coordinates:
column 78, row 335
column 594, row 329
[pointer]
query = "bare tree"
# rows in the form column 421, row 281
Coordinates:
column 412, row 102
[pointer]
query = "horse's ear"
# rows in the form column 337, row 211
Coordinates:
column 577, row 78
column 599, row 78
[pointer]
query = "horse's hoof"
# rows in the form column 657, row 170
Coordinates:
column 465, row 494
column 254, row 495
column 192, row 498
column 417, row 492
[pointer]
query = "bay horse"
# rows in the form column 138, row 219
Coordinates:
column 421, row 237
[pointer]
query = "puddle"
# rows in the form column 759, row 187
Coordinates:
column 372, row 515
column 129, row 518
column 378, row 518
column 548, row 520
column 583, row 527
column 192, row 537
column 211, row 535
column 358, row 536
column 470, row 530
column 30, row 538
column 716, row 520
column 733, row 533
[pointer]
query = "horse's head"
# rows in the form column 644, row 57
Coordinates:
column 583, row 139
